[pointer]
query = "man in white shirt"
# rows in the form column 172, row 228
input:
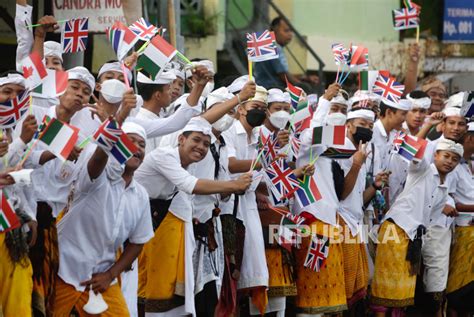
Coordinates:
column 398, row 257
column 461, row 274
column 108, row 207
column 169, row 274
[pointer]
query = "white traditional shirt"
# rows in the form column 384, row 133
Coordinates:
column 463, row 184
column 103, row 215
column 423, row 194
column 383, row 142
column 151, row 143
column 24, row 35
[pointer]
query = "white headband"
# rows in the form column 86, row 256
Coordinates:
column 361, row 113
column 423, row 103
column 114, row 67
column 198, row 124
column 132, row 127
column 13, row 79
column 450, row 145
column 82, row 74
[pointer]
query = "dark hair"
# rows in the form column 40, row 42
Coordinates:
column 276, row 22
column 8, row 72
column 187, row 133
column 384, row 107
column 418, row 94
column 147, row 90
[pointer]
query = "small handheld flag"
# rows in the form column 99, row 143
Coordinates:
column 467, row 109
column 261, row 46
column 338, row 153
column 329, row 135
column 144, row 29
column 33, row 70
column 154, row 58
column 295, row 94
column 308, row 192
column 74, row 34
column 388, row 88
column 121, row 38
column 53, row 85
column 60, row 138
column 14, row 110
column 405, row 18
column 282, row 178
column 8, row 217
column 318, row 252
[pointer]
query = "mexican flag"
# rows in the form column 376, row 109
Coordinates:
column 157, row 54
column 60, row 138
column 8, row 218
column 54, row 84
column 33, row 70
column 367, row 78
column 329, row 135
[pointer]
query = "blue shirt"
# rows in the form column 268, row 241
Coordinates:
column 266, row 73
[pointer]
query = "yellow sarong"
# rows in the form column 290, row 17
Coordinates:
column 164, row 254
column 280, row 281
column 68, row 298
column 16, row 284
column 392, row 286
column 461, row 262
column 323, row 291
column 356, row 266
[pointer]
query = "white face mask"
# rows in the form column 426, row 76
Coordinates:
column 112, row 90
column 208, row 89
column 279, row 119
column 336, row 118
column 223, row 123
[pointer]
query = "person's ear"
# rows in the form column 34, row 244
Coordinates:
column 181, row 139
column 189, row 83
column 98, row 86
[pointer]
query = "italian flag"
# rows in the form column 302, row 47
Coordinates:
column 157, row 54
column 329, row 135
column 33, row 70
column 54, row 84
column 8, row 218
column 367, row 78
column 60, row 138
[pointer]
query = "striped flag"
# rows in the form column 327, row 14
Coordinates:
column 308, row 192
column 302, row 112
column 113, row 140
column 412, row 148
column 143, row 29
column 8, row 217
column 53, row 85
column 340, row 53
column 33, row 70
column 157, row 54
column 289, row 229
column 14, row 109
column 295, row 94
column 60, row 138
column 359, row 57
column 270, row 149
column 329, row 135
column 121, row 38
column 338, row 153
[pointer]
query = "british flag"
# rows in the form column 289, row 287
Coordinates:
column 74, row 35
column 108, row 134
column 295, row 144
column 398, row 140
column 318, row 252
column 388, row 88
column 143, row 29
column 14, row 109
column 270, row 149
column 282, row 178
column 340, row 53
column 261, row 46
column 406, row 18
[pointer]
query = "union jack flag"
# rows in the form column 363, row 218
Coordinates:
column 398, row 140
column 14, row 109
column 143, row 29
column 270, row 149
column 295, row 144
column 74, row 35
column 282, row 178
column 261, row 46
column 318, row 252
column 388, row 88
column 108, row 134
column 406, row 18
column 340, row 53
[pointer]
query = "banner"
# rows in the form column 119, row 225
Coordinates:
column 101, row 13
column 458, row 21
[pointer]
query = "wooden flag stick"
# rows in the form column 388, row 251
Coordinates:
column 250, row 70
column 417, row 34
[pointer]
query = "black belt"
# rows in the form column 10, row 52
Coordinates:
column 159, row 209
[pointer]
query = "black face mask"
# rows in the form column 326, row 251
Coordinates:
column 255, row 117
column 362, row 134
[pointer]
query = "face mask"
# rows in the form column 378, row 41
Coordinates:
column 362, row 134
column 279, row 119
column 223, row 123
column 255, row 117
column 208, row 89
column 336, row 118
column 112, row 90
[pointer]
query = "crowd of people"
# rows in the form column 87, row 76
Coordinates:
column 187, row 227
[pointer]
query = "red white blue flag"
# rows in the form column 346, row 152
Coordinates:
column 14, row 109
column 318, row 252
column 261, row 46
column 388, row 88
column 143, row 29
column 282, row 178
column 74, row 35
column 340, row 53
column 406, row 18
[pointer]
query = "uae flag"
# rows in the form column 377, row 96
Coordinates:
column 33, row 70
column 60, row 138
column 54, row 84
column 329, row 135
column 157, row 54
column 8, row 217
